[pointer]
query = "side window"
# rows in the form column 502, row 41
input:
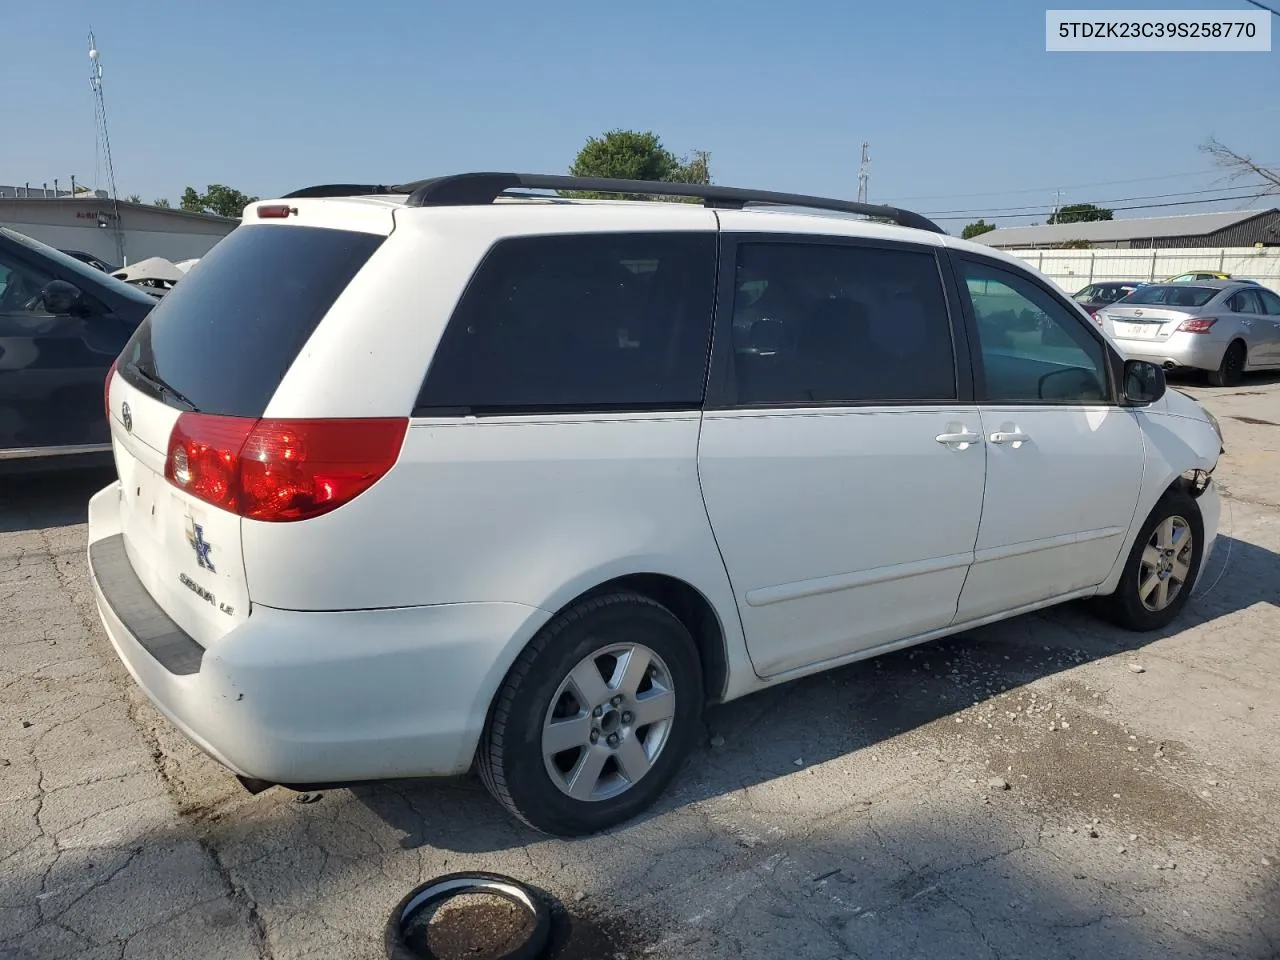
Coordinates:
column 825, row 323
column 20, row 287
column 1270, row 301
column 1246, row 301
column 580, row 322
column 1034, row 349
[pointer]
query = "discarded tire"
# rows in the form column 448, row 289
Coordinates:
column 406, row 940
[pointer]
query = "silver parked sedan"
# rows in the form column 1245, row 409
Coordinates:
column 1223, row 326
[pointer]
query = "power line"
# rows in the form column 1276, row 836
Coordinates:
column 1036, row 208
column 1141, row 206
column 1079, row 186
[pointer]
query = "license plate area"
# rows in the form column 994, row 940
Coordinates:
column 1137, row 331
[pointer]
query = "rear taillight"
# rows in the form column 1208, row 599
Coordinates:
column 1197, row 325
column 106, row 389
column 1096, row 319
column 278, row 470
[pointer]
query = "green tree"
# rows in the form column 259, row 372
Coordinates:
column 636, row 155
column 133, row 198
column 976, row 229
column 162, row 202
column 1080, row 213
column 217, row 199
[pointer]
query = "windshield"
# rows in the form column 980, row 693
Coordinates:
column 1172, row 295
column 72, row 265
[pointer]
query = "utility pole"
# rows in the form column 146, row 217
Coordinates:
column 104, row 141
column 1057, row 202
column 864, row 173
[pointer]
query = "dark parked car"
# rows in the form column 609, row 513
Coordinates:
column 62, row 325
column 96, row 262
column 1098, row 295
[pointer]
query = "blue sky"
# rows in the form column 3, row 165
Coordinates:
column 957, row 98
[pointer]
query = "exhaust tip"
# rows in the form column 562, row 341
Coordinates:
column 253, row 785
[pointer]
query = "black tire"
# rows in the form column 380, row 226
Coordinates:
column 539, row 907
column 1231, row 370
column 1124, row 607
column 510, row 759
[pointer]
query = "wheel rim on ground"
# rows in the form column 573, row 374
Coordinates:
column 608, row 722
column 1165, row 563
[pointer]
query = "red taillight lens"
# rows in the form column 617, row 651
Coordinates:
column 1096, row 319
column 204, row 457
column 273, row 211
column 106, row 389
column 279, row 470
column 1197, row 325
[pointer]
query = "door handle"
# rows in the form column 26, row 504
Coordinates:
column 1015, row 438
column 960, row 440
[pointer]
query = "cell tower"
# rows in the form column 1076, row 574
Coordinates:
column 864, row 173
column 102, row 145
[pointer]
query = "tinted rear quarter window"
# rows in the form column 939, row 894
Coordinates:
column 228, row 332
column 579, row 322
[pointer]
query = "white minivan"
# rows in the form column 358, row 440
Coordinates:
column 418, row 478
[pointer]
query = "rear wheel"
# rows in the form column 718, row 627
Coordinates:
column 1162, row 566
column 1231, row 369
column 595, row 717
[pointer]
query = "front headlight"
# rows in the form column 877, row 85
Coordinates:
column 1217, row 428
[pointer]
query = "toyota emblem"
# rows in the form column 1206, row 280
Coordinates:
column 126, row 417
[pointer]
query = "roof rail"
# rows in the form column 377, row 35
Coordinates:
column 476, row 189
column 342, row 190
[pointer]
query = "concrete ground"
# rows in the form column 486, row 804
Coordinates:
column 1049, row 787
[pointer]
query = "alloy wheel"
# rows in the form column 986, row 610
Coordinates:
column 1165, row 563
column 608, row 722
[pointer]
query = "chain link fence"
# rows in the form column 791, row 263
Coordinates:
column 1073, row 269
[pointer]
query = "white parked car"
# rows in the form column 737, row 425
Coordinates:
column 414, row 479
column 1225, row 327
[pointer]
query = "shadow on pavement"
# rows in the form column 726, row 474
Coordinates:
column 852, row 708
column 56, row 499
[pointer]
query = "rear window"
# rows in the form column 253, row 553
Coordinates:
column 579, row 322
column 225, row 335
column 1172, row 295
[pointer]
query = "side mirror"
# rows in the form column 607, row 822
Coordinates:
column 62, row 298
column 1072, row 385
column 1143, row 381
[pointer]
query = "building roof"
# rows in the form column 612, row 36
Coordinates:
column 1099, row 231
column 97, row 203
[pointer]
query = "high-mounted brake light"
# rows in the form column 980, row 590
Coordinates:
column 1197, row 325
column 280, row 470
column 269, row 211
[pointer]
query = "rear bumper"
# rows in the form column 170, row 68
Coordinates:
column 317, row 697
column 1194, row 350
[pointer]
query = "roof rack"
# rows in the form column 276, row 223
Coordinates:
column 476, row 189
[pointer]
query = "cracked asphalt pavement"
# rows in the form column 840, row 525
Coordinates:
column 1047, row 787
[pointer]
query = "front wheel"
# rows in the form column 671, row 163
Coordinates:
column 1162, row 566
column 595, row 717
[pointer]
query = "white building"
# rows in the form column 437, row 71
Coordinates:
column 116, row 232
